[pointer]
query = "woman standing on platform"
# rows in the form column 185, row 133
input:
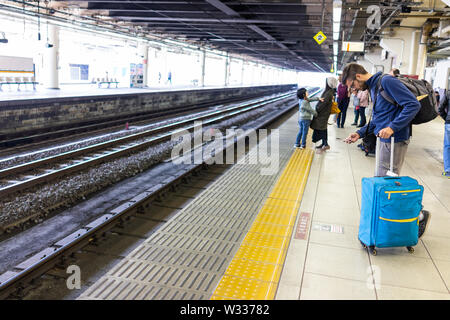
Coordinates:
column 323, row 108
column 343, row 99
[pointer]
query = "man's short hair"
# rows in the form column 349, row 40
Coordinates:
column 395, row 72
column 350, row 71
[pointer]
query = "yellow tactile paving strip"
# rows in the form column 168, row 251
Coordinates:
column 255, row 270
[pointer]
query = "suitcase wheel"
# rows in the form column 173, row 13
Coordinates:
column 372, row 250
column 363, row 245
column 410, row 249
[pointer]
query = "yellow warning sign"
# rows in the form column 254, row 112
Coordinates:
column 320, row 37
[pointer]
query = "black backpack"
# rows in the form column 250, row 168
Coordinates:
column 424, row 93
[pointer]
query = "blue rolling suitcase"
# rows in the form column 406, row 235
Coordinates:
column 390, row 208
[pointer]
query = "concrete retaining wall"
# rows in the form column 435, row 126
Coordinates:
column 37, row 114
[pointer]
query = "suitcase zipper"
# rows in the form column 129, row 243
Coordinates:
column 403, row 220
column 404, row 191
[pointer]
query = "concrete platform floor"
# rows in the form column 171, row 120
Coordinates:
column 330, row 262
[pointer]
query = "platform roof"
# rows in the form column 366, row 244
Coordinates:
column 279, row 32
column 276, row 31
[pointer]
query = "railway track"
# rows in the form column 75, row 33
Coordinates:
column 30, row 174
column 18, row 278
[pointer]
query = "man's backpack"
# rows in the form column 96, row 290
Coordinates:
column 369, row 143
column 424, row 93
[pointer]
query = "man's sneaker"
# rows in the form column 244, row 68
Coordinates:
column 424, row 222
column 302, row 147
column 326, row 147
column 319, row 147
column 296, row 146
column 446, row 174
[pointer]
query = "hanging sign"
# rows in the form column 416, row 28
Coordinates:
column 320, row 37
column 352, row 46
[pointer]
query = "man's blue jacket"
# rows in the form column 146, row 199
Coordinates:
column 386, row 114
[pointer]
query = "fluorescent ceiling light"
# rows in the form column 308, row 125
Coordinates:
column 337, row 4
column 337, row 10
column 335, row 48
column 337, row 14
column 336, row 26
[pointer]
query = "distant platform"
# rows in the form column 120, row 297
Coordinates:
column 44, row 109
column 70, row 91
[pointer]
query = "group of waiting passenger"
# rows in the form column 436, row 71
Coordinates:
column 387, row 119
column 360, row 103
column 317, row 118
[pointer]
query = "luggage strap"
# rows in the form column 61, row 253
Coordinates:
column 403, row 220
column 403, row 191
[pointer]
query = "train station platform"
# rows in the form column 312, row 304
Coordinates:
column 291, row 234
column 47, row 111
column 87, row 90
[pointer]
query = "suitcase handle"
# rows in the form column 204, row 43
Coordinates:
column 391, row 172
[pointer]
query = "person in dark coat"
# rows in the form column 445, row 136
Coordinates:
column 323, row 109
column 343, row 99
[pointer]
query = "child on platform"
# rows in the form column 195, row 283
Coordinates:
column 306, row 114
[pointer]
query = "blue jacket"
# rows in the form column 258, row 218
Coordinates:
column 386, row 114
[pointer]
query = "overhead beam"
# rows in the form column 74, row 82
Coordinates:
column 238, row 21
column 186, row 12
column 303, row 3
column 224, row 8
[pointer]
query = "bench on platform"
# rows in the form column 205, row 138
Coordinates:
column 103, row 80
column 17, row 80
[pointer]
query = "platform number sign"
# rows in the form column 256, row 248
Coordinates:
column 320, row 37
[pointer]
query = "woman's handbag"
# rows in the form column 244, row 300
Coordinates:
column 334, row 108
